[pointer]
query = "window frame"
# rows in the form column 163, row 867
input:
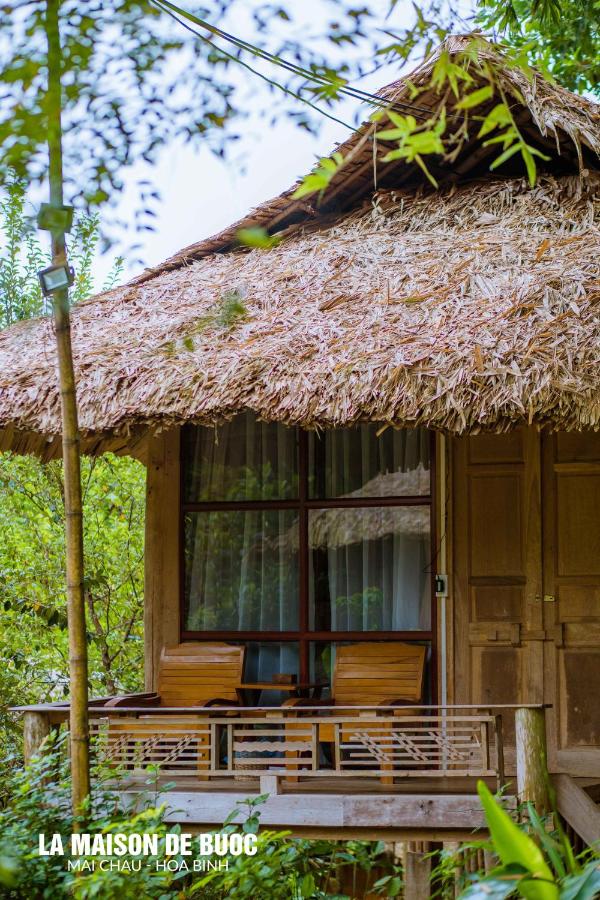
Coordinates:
column 304, row 637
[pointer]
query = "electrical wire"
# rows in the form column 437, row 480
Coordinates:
column 245, row 65
column 355, row 93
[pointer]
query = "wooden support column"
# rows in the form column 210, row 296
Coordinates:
column 532, row 766
column 161, row 551
column 36, row 728
column 417, row 870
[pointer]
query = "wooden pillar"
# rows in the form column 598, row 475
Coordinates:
column 161, row 551
column 532, row 766
column 417, row 870
column 36, row 728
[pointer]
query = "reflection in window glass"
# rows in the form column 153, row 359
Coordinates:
column 241, row 460
column 241, row 570
column 369, row 569
column 354, row 462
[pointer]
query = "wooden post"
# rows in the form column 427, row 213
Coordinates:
column 532, row 766
column 417, row 870
column 36, row 728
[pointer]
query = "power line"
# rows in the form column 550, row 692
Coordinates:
column 357, row 94
column 254, row 71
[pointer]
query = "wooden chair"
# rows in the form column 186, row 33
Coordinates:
column 372, row 674
column 196, row 675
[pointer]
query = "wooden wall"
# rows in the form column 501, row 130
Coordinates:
column 526, row 582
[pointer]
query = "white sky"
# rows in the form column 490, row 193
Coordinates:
column 202, row 194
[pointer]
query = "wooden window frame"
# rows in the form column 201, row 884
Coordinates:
column 304, row 637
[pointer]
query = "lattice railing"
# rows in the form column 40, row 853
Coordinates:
column 388, row 744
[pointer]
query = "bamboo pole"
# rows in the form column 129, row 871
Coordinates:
column 78, row 668
column 532, row 766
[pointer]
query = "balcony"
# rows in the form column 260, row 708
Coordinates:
column 353, row 771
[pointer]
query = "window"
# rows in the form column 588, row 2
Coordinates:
column 294, row 540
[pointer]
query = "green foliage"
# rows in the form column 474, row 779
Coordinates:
column 319, row 179
column 515, row 848
column 137, row 76
column 230, row 309
column 22, row 258
column 257, row 238
column 40, row 803
column 562, row 36
column 283, row 867
column 294, row 869
column 534, row 863
column 413, row 142
column 33, row 642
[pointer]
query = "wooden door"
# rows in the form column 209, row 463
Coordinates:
column 497, row 563
column 571, row 599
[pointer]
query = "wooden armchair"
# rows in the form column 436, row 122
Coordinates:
column 371, row 674
column 195, row 675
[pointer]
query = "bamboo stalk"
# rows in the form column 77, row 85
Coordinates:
column 78, row 668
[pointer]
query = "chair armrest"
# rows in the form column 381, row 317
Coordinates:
column 400, row 702
column 217, row 701
column 133, row 700
column 306, row 701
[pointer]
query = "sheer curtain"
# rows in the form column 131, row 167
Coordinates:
column 241, row 566
column 371, row 565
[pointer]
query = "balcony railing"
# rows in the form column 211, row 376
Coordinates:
column 390, row 743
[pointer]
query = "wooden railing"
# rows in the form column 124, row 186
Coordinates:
column 377, row 742
column 387, row 742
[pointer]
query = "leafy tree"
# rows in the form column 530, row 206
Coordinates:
column 33, row 647
column 562, row 36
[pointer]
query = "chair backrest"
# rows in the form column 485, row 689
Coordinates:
column 371, row 673
column 191, row 674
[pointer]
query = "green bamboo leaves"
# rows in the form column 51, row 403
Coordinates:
column 517, row 849
column 318, row 180
column 511, row 140
column 414, row 141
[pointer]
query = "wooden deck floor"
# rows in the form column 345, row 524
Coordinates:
column 415, row 809
column 333, row 785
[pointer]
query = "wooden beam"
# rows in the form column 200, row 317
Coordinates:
column 422, row 813
column 577, row 808
column 417, row 870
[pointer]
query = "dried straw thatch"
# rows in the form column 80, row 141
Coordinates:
column 474, row 307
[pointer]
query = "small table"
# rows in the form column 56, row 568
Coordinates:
column 249, row 693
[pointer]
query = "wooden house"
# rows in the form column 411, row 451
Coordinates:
column 379, row 434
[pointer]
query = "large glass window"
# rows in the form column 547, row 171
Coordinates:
column 368, row 462
column 292, row 537
column 369, row 569
column 241, row 570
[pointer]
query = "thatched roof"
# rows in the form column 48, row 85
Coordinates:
column 474, row 307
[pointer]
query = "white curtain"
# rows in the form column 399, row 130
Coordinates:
column 240, row 574
column 371, row 565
